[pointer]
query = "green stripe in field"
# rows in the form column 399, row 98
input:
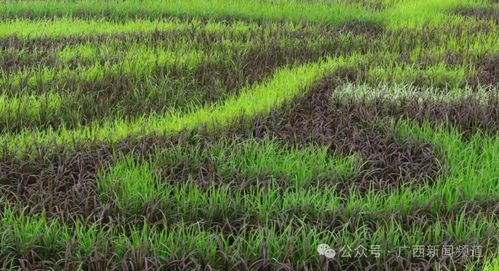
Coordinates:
column 332, row 13
column 463, row 228
column 296, row 165
column 245, row 200
column 414, row 13
column 130, row 182
column 474, row 43
column 30, row 106
column 64, row 27
column 438, row 75
column 260, row 99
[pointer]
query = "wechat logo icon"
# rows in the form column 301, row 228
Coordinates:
column 326, row 250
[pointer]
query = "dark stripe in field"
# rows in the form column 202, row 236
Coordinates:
column 107, row 257
column 488, row 71
column 481, row 13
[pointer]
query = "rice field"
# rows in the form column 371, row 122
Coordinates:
column 249, row 135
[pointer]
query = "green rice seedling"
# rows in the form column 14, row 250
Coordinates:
column 129, row 184
column 24, row 232
column 299, row 165
column 63, row 27
column 492, row 264
column 473, row 43
column 413, row 13
column 29, row 106
column 439, row 76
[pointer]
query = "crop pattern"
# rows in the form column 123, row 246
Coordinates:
column 245, row 135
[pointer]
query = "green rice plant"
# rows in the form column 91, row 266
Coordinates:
column 299, row 165
column 130, row 184
column 414, row 13
column 491, row 265
column 192, row 201
column 438, row 75
column 473, row 43
column 23, row 232
column 29, row 106
column 66, row 27
column 134, row 54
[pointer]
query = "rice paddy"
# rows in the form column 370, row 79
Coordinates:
column 249, row 135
